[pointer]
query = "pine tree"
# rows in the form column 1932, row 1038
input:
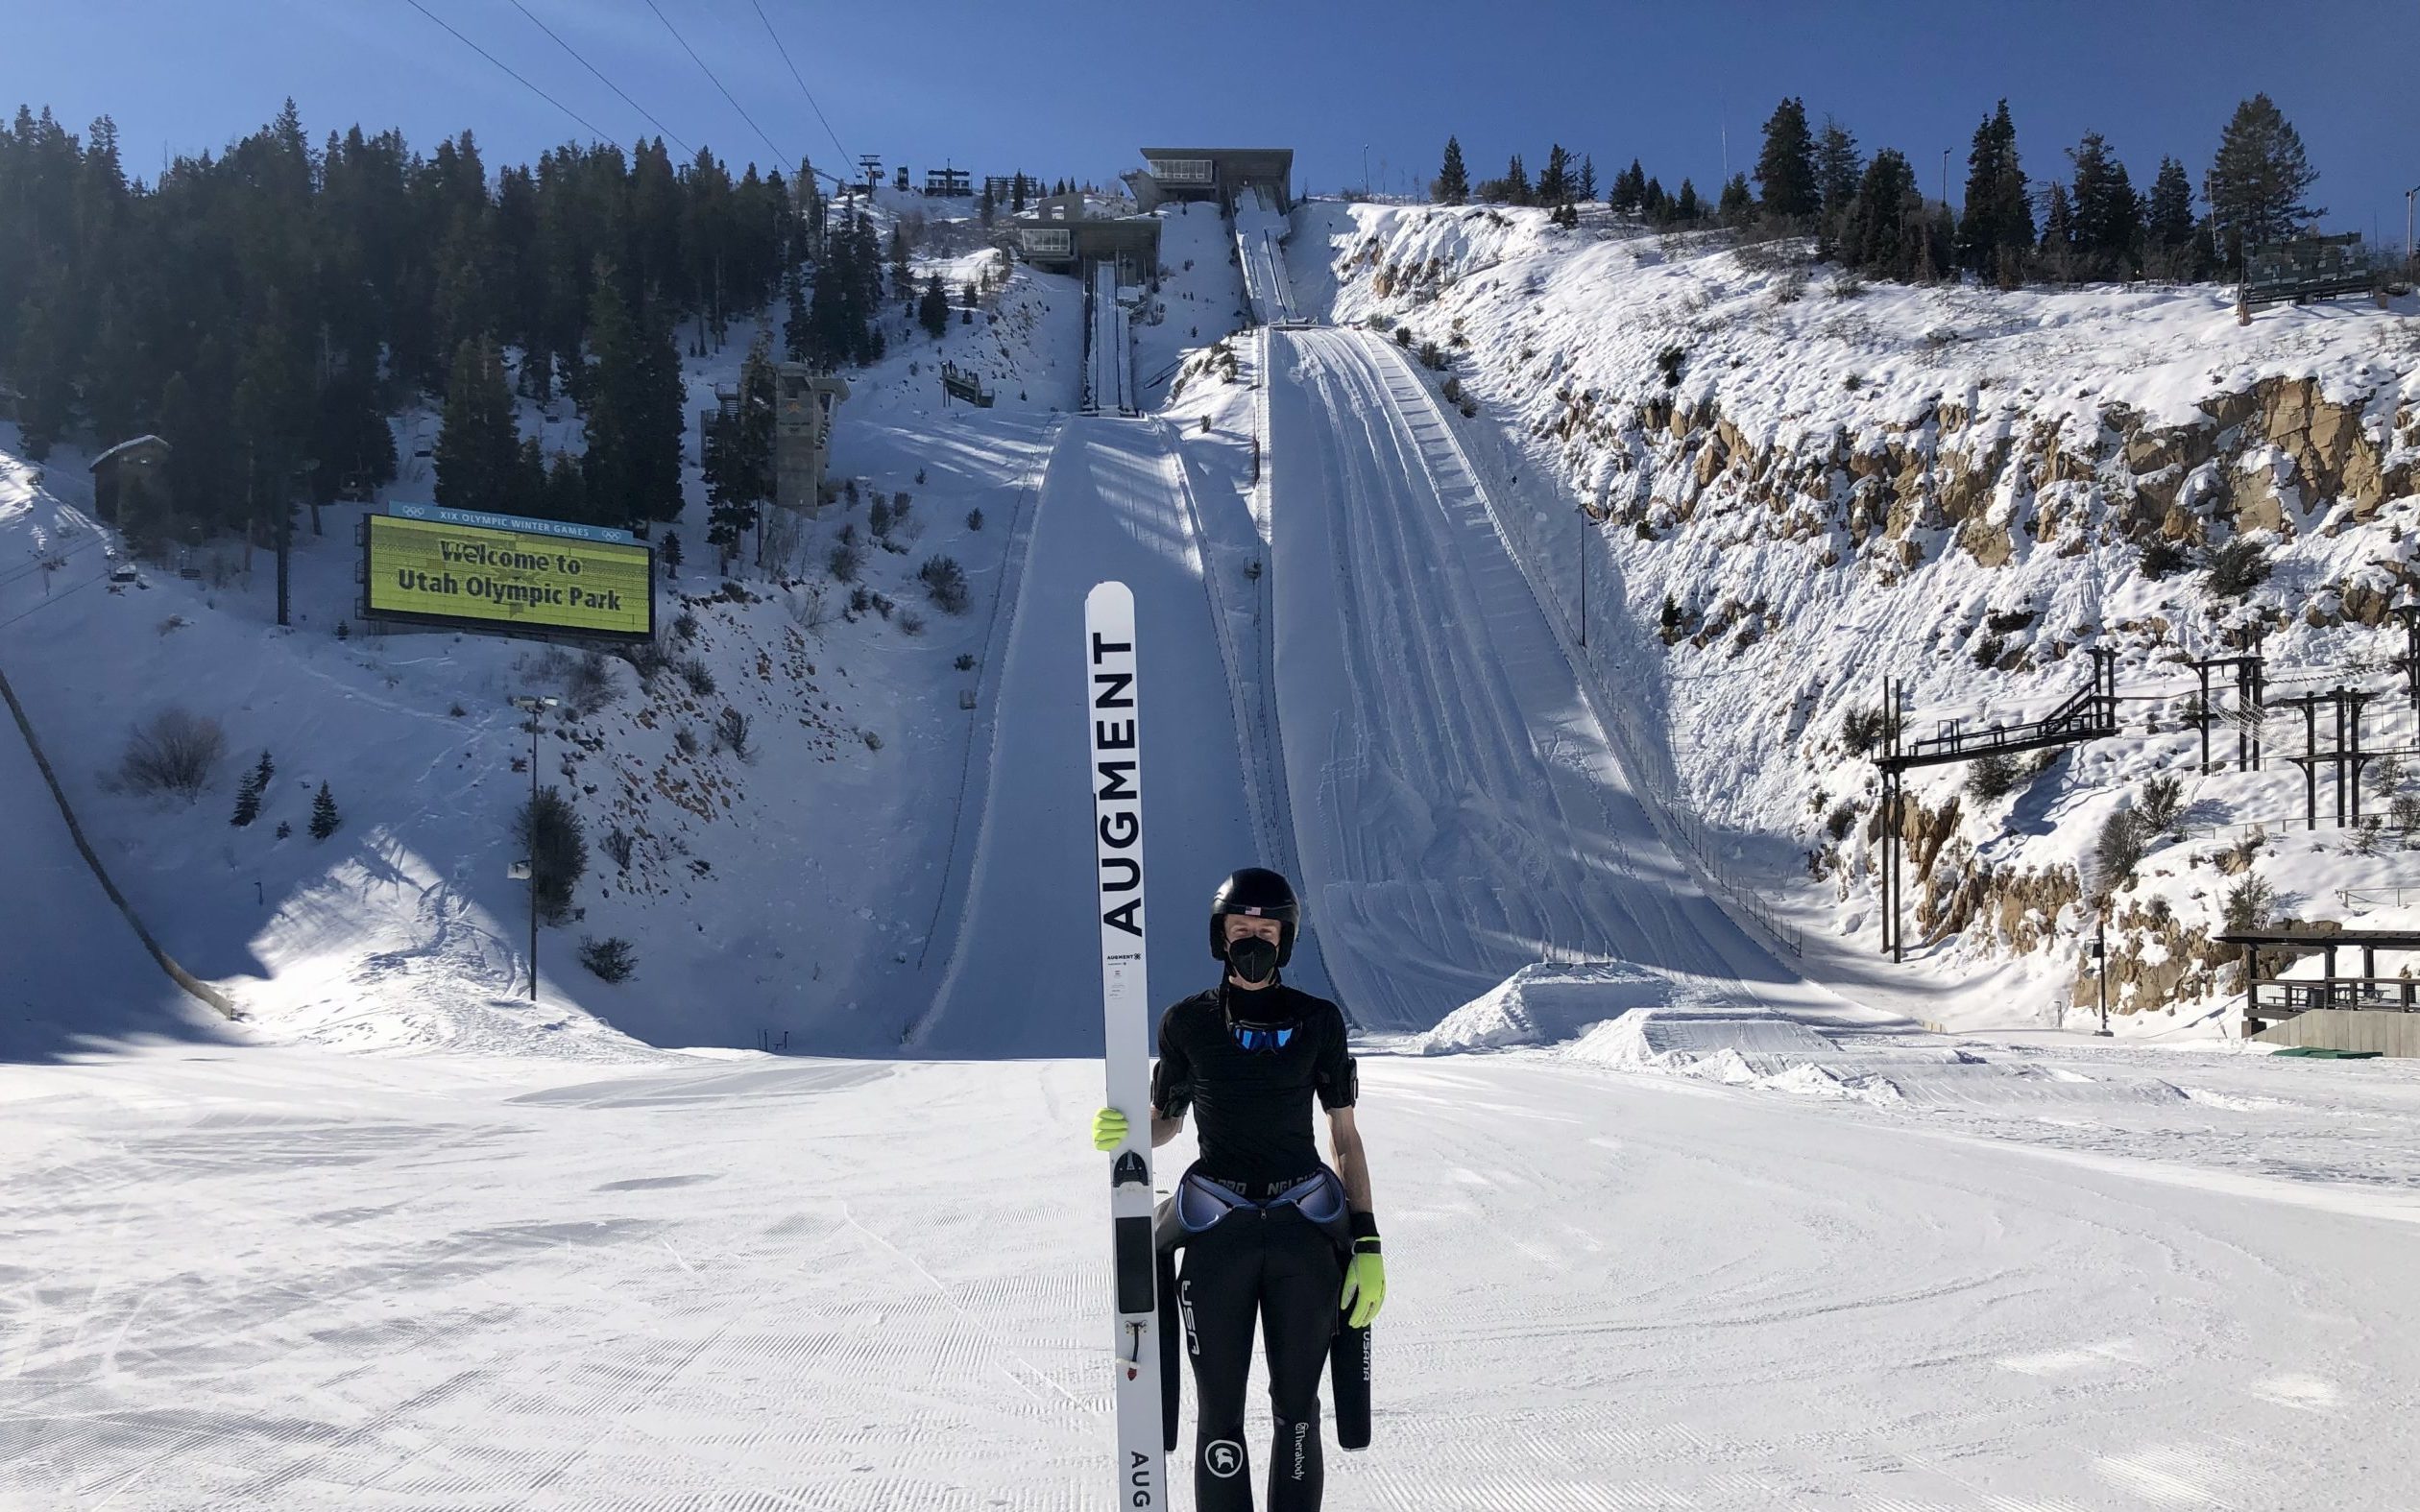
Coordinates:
column 1516, row 185
column 2058, row 234
column 1629, row 190
column 1686, row 207
column 1786, row 169
column 2255, row 185
column 45, row 362
column 1997, row 232
column 1452, row 184
column 984, row 209
column 903, row 278
column 1587, row 180
column 1654, row 203
column 2108, row 212
column 1837, row 170
column 1554, row 186
column 932, row 310
column 248, row 793
column 567, row 489
column 671, row 553
column 323, row 816
column 739, row 457
column 1737, row 204
column 2168, row 230
column 528, row 492
column 1885, row 233
column 608, row 386
column 797, row 338
column 476, row 449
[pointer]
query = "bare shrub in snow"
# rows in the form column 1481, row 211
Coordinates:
column 591, row 686
column 175, row 752
column 810, row 606
column 646, row 658
column 2161, row 802
column 699, row 677
column 732, row 732
column 844, row 561
column 1992, row 775
column 2403, row 811
column 2237, row 568
column 946, row 581
column 2162, row 557
column 617, row 845
column 2247, row 905
column 549, row 832
column 2118, row 850
column 910, row 622
column 1864, row 730
column 609, row 959
column 685, row 741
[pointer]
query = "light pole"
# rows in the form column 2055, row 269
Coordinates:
column 1365, row 170
column 2100, row 965
column 2408, row 263
column 533, row 706
column 2406, row 608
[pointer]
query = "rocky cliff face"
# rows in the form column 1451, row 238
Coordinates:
column 1796, row 493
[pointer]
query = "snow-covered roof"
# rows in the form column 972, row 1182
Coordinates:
column 124, row 446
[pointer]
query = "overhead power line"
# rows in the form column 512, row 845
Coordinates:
column 542, row 94
column 802, row 82
column 685, row 149
column 779, row 157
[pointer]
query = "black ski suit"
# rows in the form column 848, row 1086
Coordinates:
column 1270, row 1262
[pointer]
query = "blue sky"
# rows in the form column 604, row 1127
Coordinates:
column 1001, row 85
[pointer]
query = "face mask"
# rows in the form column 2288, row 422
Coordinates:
column 1252, row 958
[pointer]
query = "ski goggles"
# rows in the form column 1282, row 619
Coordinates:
column 1258, row 1040
column 1203, row 1200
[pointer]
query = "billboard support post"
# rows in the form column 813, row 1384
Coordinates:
column 533, row 708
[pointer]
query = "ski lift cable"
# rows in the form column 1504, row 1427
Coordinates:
column 593, row 129
column 685, row 147
column 778, row 154
column 845, row 155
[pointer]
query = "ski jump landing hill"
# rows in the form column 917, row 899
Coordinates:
column 1108, row 344
column 1451, row 794
column 1260, row 229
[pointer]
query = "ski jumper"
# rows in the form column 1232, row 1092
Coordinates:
column 1260, row 1213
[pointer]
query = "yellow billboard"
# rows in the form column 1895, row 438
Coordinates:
column 439, row 572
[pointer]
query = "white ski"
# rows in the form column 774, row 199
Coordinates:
column 1115, row 763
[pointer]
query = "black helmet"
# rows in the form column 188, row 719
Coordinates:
column 1262, row 894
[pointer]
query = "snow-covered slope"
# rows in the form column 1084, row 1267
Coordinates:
column 792, row 893
column 289, row 1280
column 1459, row 806
column 1802, row 484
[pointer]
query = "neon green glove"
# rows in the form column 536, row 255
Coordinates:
column 1109, row 1129
column 1364, row 1275
column 1365, row 1288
